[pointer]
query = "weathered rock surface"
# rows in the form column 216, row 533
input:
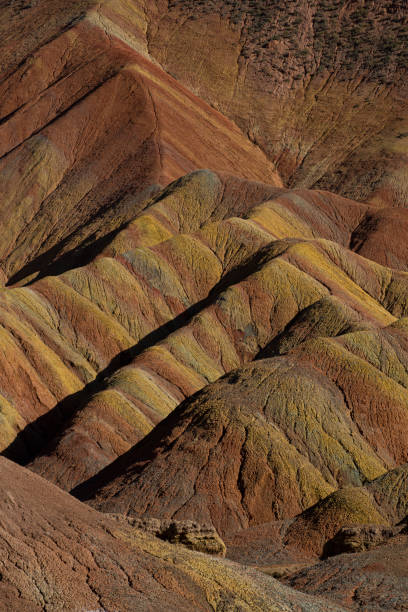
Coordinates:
column 235, row 276
column 188, row 533
column 58, row 554
column 390, row 491
column 263, row 546
column 315, row 527
column 74, row 168
column 251, row 456
column 357, row 539
column 221, row 346
column 320, row 85
column 351, row 518
column 65, row 331
column 373, row 580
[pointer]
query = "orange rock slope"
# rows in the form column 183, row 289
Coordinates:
column 89, row 128
column 320, row 85
column 203, row 302
column 59, row 554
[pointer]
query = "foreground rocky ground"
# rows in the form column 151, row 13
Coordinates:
column 203, row 305
column 58, row 554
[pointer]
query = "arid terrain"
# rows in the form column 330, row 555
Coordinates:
column 204, row 305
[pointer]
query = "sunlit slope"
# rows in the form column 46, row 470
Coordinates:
column 90, row 127
column 209, row 274
column 193, row 307
column 273, row 437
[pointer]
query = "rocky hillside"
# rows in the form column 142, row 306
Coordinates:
column 203, row 305
column 319, row 85
column 58, row 554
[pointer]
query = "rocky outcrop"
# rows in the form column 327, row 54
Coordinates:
column 390, row 492
column 57, row 553
column 317, row 526
column 352, row 519
column 357, row 539
column 187, row 533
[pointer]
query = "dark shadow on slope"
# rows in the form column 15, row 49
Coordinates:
column 43, row 434
column 51, row 263
column 35, row 437
column 327, row 317
column 368, row 225
column 137, row 457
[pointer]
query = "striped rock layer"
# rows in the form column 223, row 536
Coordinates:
column 203, row 300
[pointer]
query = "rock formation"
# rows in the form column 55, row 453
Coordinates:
column 319, row 85
column 57, row 553
column 187, row 533
column 357, row 539
column 203, row 304
column 376, row 579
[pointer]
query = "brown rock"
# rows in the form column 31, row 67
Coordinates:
column 317, row 87
column 187, row 533
column 78, row 169
column 357, row 539
column 231, row 350
column 376, row 579
column 58, row 554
